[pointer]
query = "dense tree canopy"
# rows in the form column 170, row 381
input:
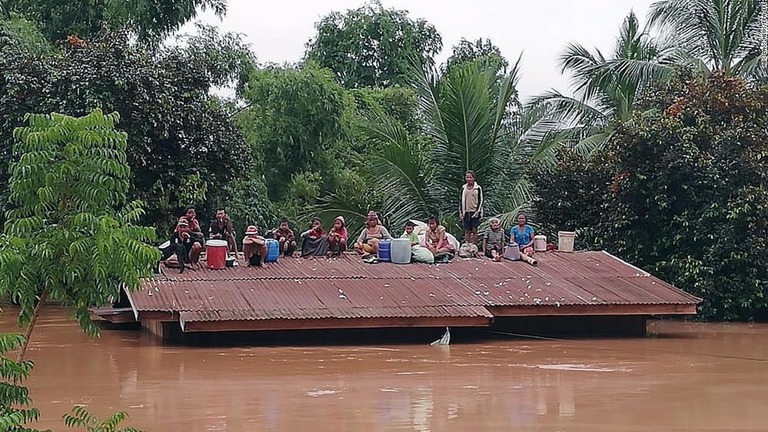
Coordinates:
column 681, row 192
column 372, row 46
column 181, row 140
column 149, row 19
column 481, row 50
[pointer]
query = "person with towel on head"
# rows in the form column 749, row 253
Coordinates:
column 254, row 247
column 368, row 242
column 337, row 237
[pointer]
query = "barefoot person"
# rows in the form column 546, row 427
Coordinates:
column 494, row 240
column 184, row 246
column 470, row 207
column 368, row 241
column 523, row 234
column 436, row 240
column 254, row 247
column 285, row 237
column 337, row 237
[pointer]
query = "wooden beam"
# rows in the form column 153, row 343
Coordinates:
column 164, row 316
column 334, row 323
column 594, row 310
column 113, row 315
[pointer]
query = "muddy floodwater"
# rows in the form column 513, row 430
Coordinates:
column 682, row 377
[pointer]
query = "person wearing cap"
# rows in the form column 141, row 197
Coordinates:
column 337, row 237
column 285, row 238
column 368, row 241
column 254, row 247
column 184, row 246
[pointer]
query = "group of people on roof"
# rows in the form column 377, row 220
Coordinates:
column 430, row 243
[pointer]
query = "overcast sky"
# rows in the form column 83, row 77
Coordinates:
column 278, row 30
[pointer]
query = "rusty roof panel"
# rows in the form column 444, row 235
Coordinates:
column 345, row 287
column 337, row 313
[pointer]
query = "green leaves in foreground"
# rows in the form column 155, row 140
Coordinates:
column 14, row 398
column 70, row 233
column 81, row 418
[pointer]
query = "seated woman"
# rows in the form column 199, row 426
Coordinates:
column 337, row 238
column 522, row 234
column 368, row 241
column 254, row 247
column 315, row 241
column 494, row 240
column 437, row 242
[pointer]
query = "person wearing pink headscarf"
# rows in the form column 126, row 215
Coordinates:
column 337, row 237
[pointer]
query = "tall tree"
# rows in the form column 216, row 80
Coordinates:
column 606, row 89
column 468, row 125
column 480, row 50
column 184, row 147
column 371, row 46
column 151, row 20
column 71, row 236
column 295, row 119
column 717, row 35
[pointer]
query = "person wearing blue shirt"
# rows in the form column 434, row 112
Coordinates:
column 522, row 233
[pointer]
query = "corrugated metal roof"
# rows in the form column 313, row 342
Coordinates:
column 345, row 287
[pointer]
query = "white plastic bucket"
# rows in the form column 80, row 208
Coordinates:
column 565, row 241
column 512, row 252
column 400, row 252
column 540, row 243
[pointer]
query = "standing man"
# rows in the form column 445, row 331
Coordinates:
column 470, row 207
column 221, row 229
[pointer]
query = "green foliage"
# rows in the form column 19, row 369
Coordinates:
column 70, row 233
column 25, row 33
column 176, row 129
column 81, row 418
column 685, row 194
column 226, row 59
column 481, row 51
column 716, row 35
column 396, row 101
column 15, row 410
column 294, row 123
column 150, row 20
column 467, row 125
column 372, row 46
column 606, row 88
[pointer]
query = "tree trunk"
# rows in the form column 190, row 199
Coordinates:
column 31, row 326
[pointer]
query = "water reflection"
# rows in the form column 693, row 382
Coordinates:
column 674, row 380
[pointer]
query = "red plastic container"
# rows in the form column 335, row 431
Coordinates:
column 216, row 254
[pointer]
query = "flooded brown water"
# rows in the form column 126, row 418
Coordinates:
column 683, row 377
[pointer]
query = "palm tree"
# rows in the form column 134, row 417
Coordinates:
column 606, row 88
column 716, row 35
column 471, row 120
